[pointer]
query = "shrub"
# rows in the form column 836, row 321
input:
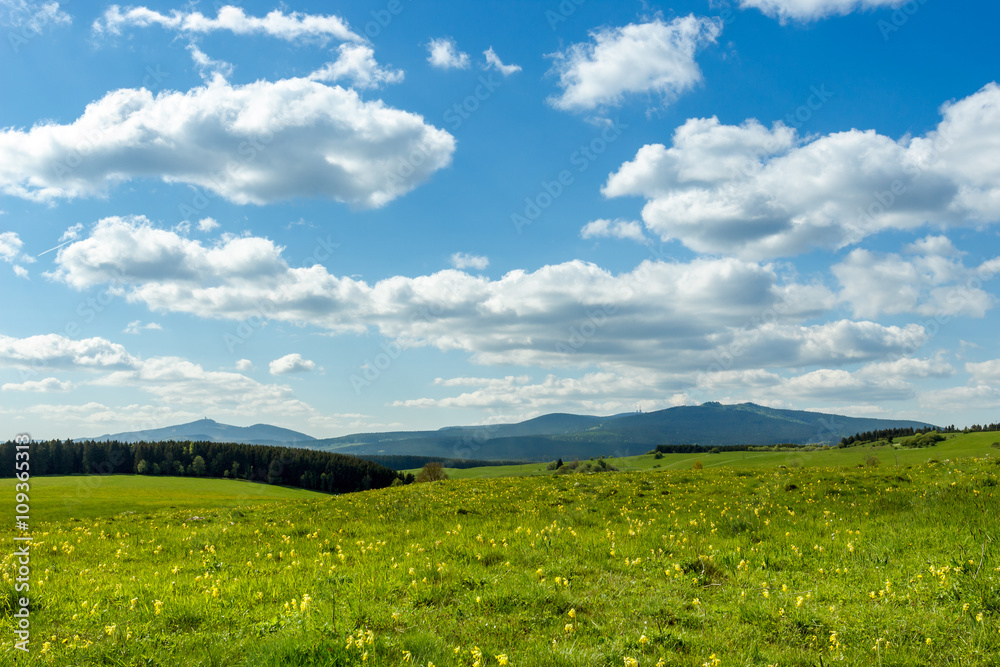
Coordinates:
column 658, row 455
column 872, row 462
column 697, row 465
column 432, row 472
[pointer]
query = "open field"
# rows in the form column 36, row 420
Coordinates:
column 959, row 445
column 89, row 496
column 730, row 565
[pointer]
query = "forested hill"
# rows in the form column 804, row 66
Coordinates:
column 287, row 466
column 209, row 430
column 577, row 436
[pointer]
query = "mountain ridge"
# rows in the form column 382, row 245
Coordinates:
column 557, row 435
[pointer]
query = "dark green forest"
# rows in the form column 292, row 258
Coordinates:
column 287, row 466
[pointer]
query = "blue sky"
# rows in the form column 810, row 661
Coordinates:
column 342, row 217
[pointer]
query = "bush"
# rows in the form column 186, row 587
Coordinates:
column 697, row 465
column 658, row 455
column 432, row 472
column 872, row 462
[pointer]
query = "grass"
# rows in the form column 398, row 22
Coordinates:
column 735, row 564
column 89, row 496
column 957, row 445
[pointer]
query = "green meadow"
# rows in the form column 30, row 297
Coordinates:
column 779, row 558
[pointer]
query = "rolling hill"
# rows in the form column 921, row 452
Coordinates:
column 568, row 436
column 209, row 430
column 556, row 435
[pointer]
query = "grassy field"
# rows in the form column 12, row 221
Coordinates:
column 89, row 496
column 960, row 445
column 739, row 564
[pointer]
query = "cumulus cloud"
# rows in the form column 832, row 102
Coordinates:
column 493, row 60
column 137, row 327
column 207, row 224
column 48, row 385
column 617, row 229
column 57, row 351
column 654, row 57
column 934, row 281
column 31, row 17
column 356, row 63
column 255, row 143
column 756, row 192
column 514, row 398
column 812, row 10
column 10, row 252
column 209, row 68
column 291, row 27
column 463, row 260
column 444, row 54
column 291, row 363
column 244, row 365
column 681, row 316
column 72, row 233
column 986, row 372
column 179, row 382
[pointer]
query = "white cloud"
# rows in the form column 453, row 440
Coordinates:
column 291, row 363
column 72, row 233
column 356, row 63
column 10, row 246
column 811, row 10
column 493, row 60
column 676, row 316
column 932, row 281
column 244, row 365
column 462, row 260
column 653, row 57
column 618, row 229
column 986, row 372
column 209, row 68
column 444, row 54
column 756, row 192
column 255, row 143
column 971, row 397
column 513, row 398
column 137, row 327
column 48, row 385
column 31, row 17
column 10, row 252
column 290, row 27
column 207, row 224
column 56, row 351
column 179, row 382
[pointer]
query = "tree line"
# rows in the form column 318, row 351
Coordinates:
column 286, row 466
column 407, row 461
column 891, row 433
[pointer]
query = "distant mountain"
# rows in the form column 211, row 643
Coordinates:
column 212, row 431
column 556, row 435
column 570, row 436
